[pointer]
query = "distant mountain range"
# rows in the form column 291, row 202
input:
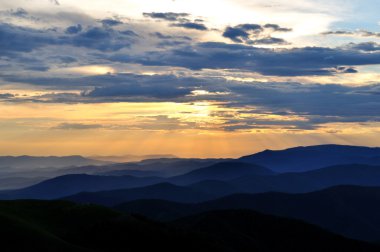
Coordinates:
column 130, row 158
column 223, row 171
column 314, row 157
column 30, row 162
column 335, row 187
column 165, row 167
column 216, row 180
column 204, row 188
column 72, row 184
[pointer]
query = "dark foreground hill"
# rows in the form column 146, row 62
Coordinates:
column 62, row 226
column 347, row 210
column 246, row 231
column 308, row 158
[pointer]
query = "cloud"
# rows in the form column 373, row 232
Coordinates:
column 74, row 29
column 55, row 2
column 162, row 36
column 241, row 32
column 178, row 20
column 268, row 41
column 254, row 33
column 307, row 61
column 111, row 22
column 102, row 39
column 277, row 28
column 170, row 40
column 357, row 33
column 20, row 39
column 168, row 16
column 125, row 91
column 367, row 46
column 193, row 26
column 247, row 105
column 6, row 96
column 77, row 126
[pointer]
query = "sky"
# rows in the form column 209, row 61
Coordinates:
column 216, row 78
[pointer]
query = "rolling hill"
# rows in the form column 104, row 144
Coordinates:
column 223, row 171
column 308, row 158
column 164, row 191
column 70, row 184
column 361, row 175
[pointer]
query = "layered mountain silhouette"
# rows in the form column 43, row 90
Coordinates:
column 163, row 167
column 201, row 201
column 347, row 210
column 130, row 158
column 213, row 180
column 71, row 184
column 313, row 157
column 63, row 226
column 164, row 191
column 222, row 171
column 362, row 175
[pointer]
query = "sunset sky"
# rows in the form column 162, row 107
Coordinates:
column 210, row 78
